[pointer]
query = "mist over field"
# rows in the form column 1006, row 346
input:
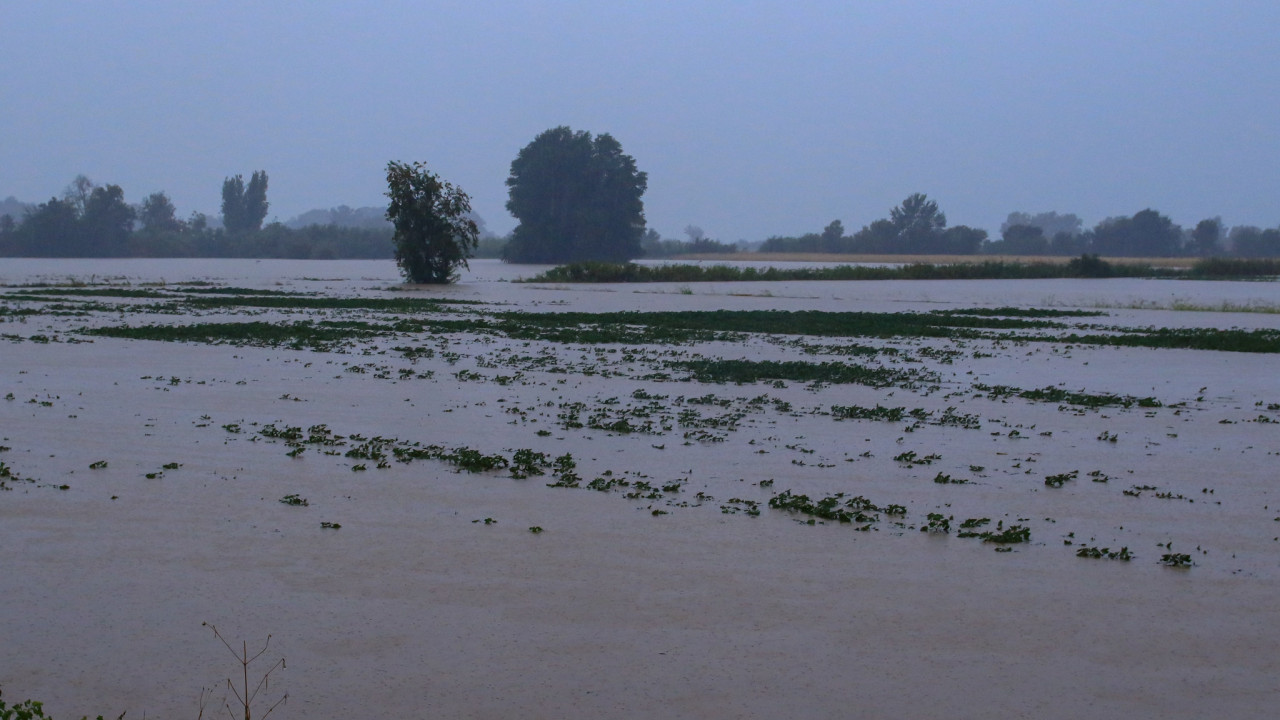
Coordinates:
column 752, row 120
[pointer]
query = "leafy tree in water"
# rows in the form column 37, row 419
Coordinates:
column 434, row 229
column 576, row 198
column 244, row 209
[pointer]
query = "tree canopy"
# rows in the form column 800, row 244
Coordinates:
column 244, row 208
column 90, row 221
column 1146, row 234
column 434, row 231
column 1206, row 238
column 919, row 226
column 95, row 221
column 107, row 221
column 1020, row 240
column 1249, row 241
column 917, row 215
column 576, row 198
column 1050, row 223
column 158, row 215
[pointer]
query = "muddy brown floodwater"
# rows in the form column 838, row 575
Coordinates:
column 146, row 478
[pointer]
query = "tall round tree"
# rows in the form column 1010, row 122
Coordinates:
column 577, row 198
column 434, row 232
column 244, row 209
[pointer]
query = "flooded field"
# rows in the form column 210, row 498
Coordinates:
column 1049, row 499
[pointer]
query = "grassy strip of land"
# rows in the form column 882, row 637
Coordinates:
column 934, row 258
column 1214, row 268
column 749, row 371
column 1066, row 397
column 220, row 290
column 6, row 311
column 297, row 335
column 781, row 322
column 1086, row 266
column 678, row 327
column 1018, row 312
column 137, row 292
column 392, row 304
column 54, row 293
column 233, row 297
column 1229, row 340
column 655, row 327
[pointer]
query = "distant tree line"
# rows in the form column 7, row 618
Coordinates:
column 95, row 221
column 656, row 246
column 576, row 197
column 917, row 226
column 374, row 218
column 1145, row 234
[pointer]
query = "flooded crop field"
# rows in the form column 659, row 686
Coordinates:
column 1040, row 498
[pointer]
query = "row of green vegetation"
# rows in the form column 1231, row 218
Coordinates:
column 898, row 326
column 295, row 335
column 783, row 322
column 838, row 373
column 410, row 316
column 214, row 298
column 1085, row 266
column 378, row 304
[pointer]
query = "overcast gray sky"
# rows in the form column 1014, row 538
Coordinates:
column 751, row 118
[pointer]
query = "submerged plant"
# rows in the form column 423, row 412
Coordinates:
column 1106, row 553
column 1056, row 481
column 1178, row 560
column 526, row 462
column 937, row 523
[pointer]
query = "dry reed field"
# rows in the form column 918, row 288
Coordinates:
column 840, row 258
